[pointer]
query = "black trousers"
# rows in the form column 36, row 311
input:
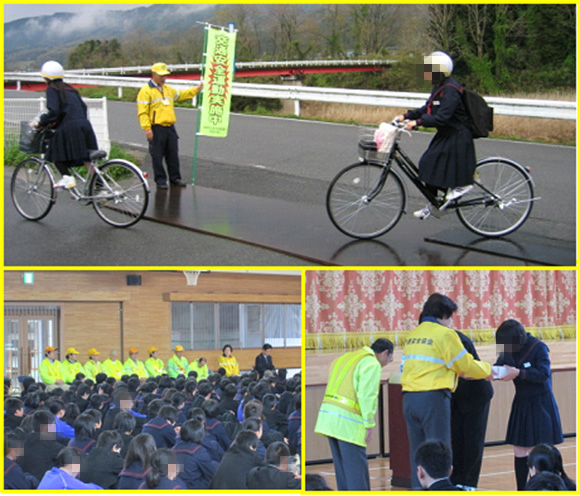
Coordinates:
column 467, row 440
column 164, row 145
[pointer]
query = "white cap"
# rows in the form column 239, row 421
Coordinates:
column 52, row 70
column 440, row 62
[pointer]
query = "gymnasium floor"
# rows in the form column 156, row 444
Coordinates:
column 496, row 472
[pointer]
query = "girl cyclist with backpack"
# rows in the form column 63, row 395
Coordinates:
column 449, row 162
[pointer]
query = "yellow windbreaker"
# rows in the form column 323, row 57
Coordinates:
column 155, row 104
column 50, row 372
column 434, row 357
column 230, row 364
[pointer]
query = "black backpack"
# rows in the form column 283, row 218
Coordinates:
column 480, row 113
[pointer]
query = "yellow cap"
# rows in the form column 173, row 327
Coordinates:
column 160, row 68
column 133, row 350
column 70, row 351
column 152, row 349
column 178, row 348
column 92, row 352
column 48, row 349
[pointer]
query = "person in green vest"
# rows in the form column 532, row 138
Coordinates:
column 134, row 366
column 177, row 364
column 71, row 366
column 93, row 366
column 153, row 364
column 112, row 366
column 200, row 367
column 347, row 413
column 49, row 369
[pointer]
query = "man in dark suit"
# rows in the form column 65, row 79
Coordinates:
column 433, row 460
column 264, row 360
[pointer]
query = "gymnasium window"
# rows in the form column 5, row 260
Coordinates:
column 202, row 326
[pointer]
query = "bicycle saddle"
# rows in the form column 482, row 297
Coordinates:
column 97, row 155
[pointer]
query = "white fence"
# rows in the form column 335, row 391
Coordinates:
column 547, row 109
column 25, row 109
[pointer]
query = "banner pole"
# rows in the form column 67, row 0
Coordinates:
column 199, row 109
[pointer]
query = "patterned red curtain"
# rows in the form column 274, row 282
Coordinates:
column 379, row 301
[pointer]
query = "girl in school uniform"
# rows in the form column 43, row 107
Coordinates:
column 137, row 462
column 534, row 416
column 163, row 474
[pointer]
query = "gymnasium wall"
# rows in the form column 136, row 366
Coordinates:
column 99, row 309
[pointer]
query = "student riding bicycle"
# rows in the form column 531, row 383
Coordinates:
column 449, row 162
column 74, row 137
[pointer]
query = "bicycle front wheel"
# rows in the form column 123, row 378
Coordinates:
column 32, row 189
column 120, row 196
column 500, row 201
column 359, row 206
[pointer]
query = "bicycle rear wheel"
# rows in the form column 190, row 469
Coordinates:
column 500, row 201
column 355, row 206
column 120, row 198
column 32, row 189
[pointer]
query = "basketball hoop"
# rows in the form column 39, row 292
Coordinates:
column 192, row 276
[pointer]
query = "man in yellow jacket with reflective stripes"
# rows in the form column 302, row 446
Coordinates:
column 433, row 360
column 157, row 118
column 347, row 413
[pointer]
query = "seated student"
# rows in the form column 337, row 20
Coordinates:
column 124, row 424
column 14, row 476
column 433, row 460
column 237, row 462
column 178, row 402
column 210, row 443
column 103, row 464
column 83, row 393
column 228, row 403
column 204, row 392
column 198, row 468
column 71, row 412
column 123, row 401
column 64, row 475
column 254, row 424
column 85, row 430
column 274, row 475
column 137, row 462
column 276, row 420
column 547, row 458
column 546, row 481
column 295, row 427
column 40, row 445
column 63, row 430
column 162, row 427
column 163, row 473
column 315, row 482
column 13, row 413
column 213, row 426
column 287, row 397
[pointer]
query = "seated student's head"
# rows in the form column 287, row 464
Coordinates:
column 247, row 439
column 221, row 371
column 154, row 406
column 204, row 388
column 97, row 402
column 192, row 374
column 163, row 465
column 169, row 413
column 211, row 408
column 298, row 402
column 433, row 460
column 229, row 391
column 269, row 402
column 178, row 400
column 546, row 481
column 277, row 454
column 133, row 384
column 192, row 431
column 43, row 422
column 14, row 406
column 315, row 482
column 110, row 441
column 253, row 408
column 69, row 460
column 100, row 377
column 56, row 407
column 196, row 414
column 124, row 422
column 84, row 426
column 261, row 389
column 32, row 400
column 13, row 446
column 140, row 449
column 547, row 458
column 253, row 424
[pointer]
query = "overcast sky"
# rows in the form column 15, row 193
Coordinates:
column 18, row 11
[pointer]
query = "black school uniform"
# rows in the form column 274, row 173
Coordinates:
column 271, row 477
column 102, row 467
column 534, row 416
column 449, row 161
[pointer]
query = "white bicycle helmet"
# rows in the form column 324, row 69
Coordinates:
column 440, row 62
column 52, row 70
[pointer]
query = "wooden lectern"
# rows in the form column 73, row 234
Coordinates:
column 399, row 457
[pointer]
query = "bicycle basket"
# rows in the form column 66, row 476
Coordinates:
column 376, row 145
column 33, row 140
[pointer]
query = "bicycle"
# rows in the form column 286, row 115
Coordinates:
column 366, row 199
column 117, row 189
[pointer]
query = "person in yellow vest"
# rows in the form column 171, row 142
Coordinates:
column 177, row 364
column 134, row 366
column 228, row 361
column 71, row 366
column 347, row 413
column 200, row 367
column 112, row 366
column 93, row 366
column 153, row 364
column 433, row 360
column 49, row 369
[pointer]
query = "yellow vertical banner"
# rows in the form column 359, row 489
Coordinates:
column 218, row 74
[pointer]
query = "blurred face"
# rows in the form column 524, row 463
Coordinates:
column 172, row 471
column 179, row 354
column 113, row 355
column 73, row 357
column 267, row 352
column 50, row 355
column 228, row 351
column 96, row 357
column 154, row 354
column 133, row 356
column 157, row 79
column 385, row 358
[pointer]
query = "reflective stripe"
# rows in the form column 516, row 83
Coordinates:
column 342, row 416
column 333, row 387
column 344, row 401
column 460, row 355
column 425, row 358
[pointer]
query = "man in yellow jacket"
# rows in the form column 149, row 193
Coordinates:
column 134, row 366
column 93, row 366
column 153, row 364
column 112, row 366
column 432, row 361
column 49, row 369
column 347, row 413
column 70, row 366
column 177, row 364
column 156, row 114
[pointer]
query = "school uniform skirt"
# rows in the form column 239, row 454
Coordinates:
column 534, row 420
column 71, row 142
